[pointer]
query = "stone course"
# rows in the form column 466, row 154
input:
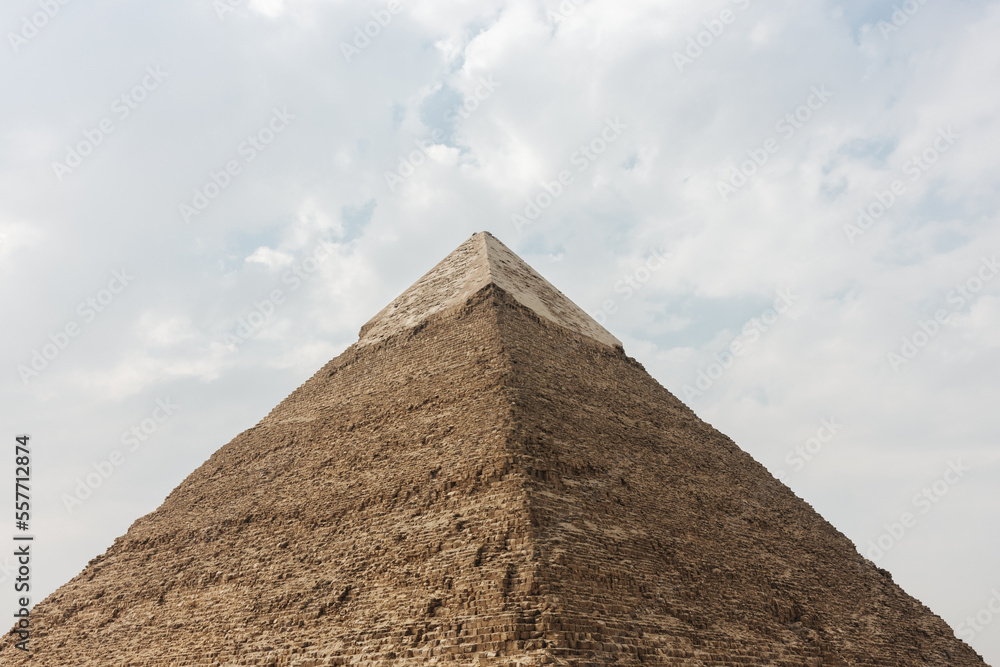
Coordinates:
column 484, row 485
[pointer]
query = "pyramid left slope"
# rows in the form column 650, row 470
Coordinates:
column 372, row 496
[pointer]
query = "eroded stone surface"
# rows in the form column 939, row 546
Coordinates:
column 485, row 488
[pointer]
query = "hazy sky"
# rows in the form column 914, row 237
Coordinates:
column 786, row 211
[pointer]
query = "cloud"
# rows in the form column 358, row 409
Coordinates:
column 270, row 258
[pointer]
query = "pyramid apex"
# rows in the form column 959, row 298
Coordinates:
column 480, row 261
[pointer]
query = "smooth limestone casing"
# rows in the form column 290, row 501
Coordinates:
column 480, row 261
column 486, row 487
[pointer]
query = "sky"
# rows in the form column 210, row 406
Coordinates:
column 787, row 212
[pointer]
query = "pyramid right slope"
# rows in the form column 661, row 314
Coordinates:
column 659, row 539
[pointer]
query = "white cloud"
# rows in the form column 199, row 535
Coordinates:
column 269, row 8
column 270, row 258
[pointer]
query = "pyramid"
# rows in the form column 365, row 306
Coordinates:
column 484, row 478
